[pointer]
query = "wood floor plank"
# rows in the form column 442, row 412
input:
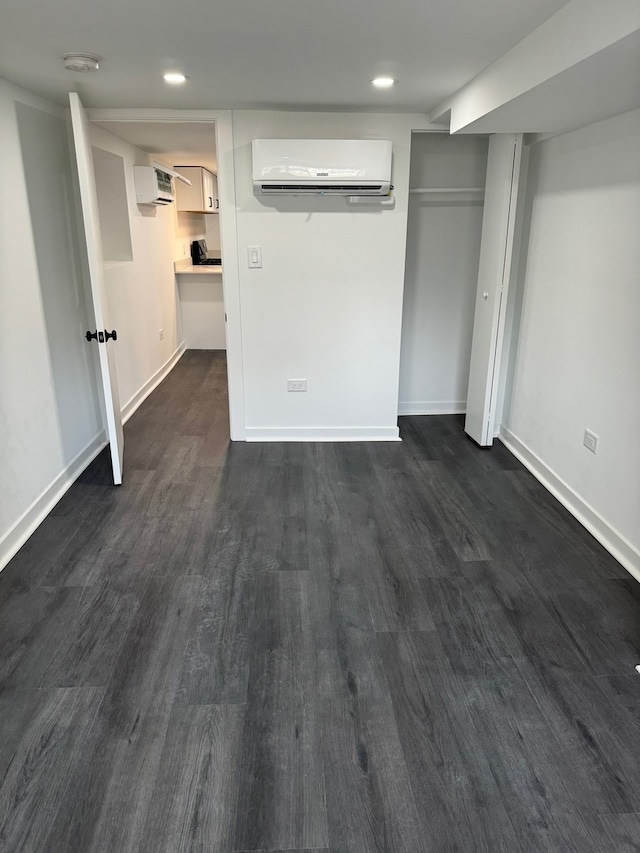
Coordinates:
column 338, row 578
column 550, row 512
column 458, row 801
column 281, row 799
column 110, row 796
column 85, row 643
column 535, row 624
column 29, row 625
column 370, row 802
column 602, row 619
column 41, row 550
column 410, row 533
column 623, row 831
column 291, row 850
column 18, row 707
column 624, row 691
column 533, row 775
column 193, row 807
column 35, row 784
column 216, row 664
column 472, row 625
column 597, row 736
column 455, row 512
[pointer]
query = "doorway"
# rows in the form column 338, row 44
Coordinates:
column 444, row 229
column 460, row 251
column 162, row 303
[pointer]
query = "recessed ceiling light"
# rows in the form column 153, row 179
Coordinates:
column 80, row 62
column 383, row 82
column 174, row 77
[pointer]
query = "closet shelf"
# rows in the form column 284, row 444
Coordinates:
column 435, row 190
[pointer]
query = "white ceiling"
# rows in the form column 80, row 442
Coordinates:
column 175, row 143
column 288, row 54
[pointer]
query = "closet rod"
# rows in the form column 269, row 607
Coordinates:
column 446, row 190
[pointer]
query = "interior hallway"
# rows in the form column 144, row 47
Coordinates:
column 332, row 647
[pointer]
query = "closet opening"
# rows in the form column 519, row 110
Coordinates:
column 444, row 230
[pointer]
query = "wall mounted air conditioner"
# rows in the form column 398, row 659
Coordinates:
column 154, row 184
column 351, row 167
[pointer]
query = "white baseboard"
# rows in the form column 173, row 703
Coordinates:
column 615, row 543
column 140, row 396
column 16, row 536
column 433, row 407
column 322, row 434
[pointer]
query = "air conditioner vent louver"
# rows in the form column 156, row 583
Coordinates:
column 322, row 189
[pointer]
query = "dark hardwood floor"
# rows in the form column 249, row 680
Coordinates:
column 357, row 647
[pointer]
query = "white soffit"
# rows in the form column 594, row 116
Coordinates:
column 580, row 66
column 604, row 85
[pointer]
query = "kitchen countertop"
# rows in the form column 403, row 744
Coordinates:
column 185, row 267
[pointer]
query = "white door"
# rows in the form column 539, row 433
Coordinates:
column 496, row 250
column 91, row 220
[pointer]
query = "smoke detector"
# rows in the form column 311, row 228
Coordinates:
column 80, row 62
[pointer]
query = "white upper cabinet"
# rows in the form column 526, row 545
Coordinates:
column 202, row 195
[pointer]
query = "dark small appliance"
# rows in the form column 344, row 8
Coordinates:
column 199, row 254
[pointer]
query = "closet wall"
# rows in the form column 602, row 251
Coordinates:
column 443, row 248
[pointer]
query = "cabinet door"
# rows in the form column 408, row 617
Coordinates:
column 214, row 193
column 201, row 196
column 207, row 191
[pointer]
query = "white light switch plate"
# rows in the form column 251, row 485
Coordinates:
column 254, row 257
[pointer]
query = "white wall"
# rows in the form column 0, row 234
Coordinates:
column 443, row 249
column 188, row 227
column 578, row 356
column 141, row 294
column 50, row 421
column 212, row 230
column 327, row 304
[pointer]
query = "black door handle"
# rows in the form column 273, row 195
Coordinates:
column 101, row 336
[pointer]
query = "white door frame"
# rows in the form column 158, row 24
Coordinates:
column 223, row 126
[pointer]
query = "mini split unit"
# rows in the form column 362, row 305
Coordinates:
column 349, row 167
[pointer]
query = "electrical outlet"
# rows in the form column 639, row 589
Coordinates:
column 296, row 384
column 590, row 440
column 161, row 334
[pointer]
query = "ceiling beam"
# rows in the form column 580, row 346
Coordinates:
column 579, row 31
